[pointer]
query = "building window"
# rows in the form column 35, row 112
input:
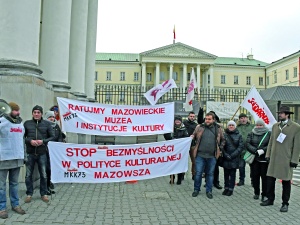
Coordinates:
column 261, row 81
column 122, row 76
column 287, row 76
column 122, row 97
column 96, row 75
column 275, row 77
column 162, row 76
column 208, row 78
column 108, row 97
column 136, row 76
column 108, row 75
column 268, row 81
column 295, row 72
column 223, row 79
column 236, row 98
column 248, row 80
column 223, row 98
column 189, row 76
column 236, row 80
column 149, row 77
column 175, row 76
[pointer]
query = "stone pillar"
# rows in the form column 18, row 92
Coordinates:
column 55, row 42
column 157, row 74
column 198, row 77
column 184, row 80
column 144, row 76
column 171, row 71
column 204, row 79
column 91, row 49
column 77, row 58
column 211, row 76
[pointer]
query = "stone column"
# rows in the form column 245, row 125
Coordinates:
column 211, row 76
column 204, row 79
column 144, row 76
column 198, row 76
column 55, row 42
column 184, row 80
column 157, row 74
column 91, row 50
column 19, row 37
column 77, row 58
column 171, row 71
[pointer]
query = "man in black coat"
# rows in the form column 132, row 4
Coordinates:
column 38, row 133
column 190, row 125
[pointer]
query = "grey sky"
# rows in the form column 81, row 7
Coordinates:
column 223, row 28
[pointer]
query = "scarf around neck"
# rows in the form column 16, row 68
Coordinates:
column 260, row 131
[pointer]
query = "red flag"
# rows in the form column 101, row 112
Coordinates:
column 174, row 33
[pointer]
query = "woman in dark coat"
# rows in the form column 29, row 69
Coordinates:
column 259, row 167
column 231, row 156
column 180, row 131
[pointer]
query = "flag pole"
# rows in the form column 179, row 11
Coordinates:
column 235, row 112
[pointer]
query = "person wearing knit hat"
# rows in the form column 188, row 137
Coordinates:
column 38, row 132
column 244, row 127
column 59, row 136
column 232, row 150
column 257, row 143
column 11, row 158
column 179, row 131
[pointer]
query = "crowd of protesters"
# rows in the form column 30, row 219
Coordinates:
column 274, row 153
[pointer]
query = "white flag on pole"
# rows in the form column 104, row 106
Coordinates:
column 159, row 90
column 254, row 103
column 188, row 106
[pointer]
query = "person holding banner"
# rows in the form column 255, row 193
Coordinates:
column 257, row 143
column 190, row 125
column 283, row 155
column 231, row 156
column 209, row 144
column 38, row 132
column 180, row 131
column 244, row 127
column 59, row 137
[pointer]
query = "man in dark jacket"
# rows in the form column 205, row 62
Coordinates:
column 59, row 136
column 244, row 127
column 38, row 133
column 190, row 125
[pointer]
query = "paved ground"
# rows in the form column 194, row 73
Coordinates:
column 152, row 201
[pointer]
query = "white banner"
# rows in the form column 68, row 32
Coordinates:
column 224, row 110
column 188, row 106
column 122, row 120
column 159, row 90
column 83, row 163
column 254, row 103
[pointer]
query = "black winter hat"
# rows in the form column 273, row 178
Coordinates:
column 178, row 118
column 37, row 107
column 242, row 115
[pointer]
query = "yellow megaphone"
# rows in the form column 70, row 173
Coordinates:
column 4, row 107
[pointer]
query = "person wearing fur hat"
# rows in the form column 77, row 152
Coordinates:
column 179, row 131
column 59, row 137
column 11, row 158
column 38, row 132
column 257, row 143
column 231, row 155
column 283, row 155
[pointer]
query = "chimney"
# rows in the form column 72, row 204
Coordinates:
column 249, row 56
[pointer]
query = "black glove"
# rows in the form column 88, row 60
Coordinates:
column 227, row 156
column 267, row 159
column 293, row 165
